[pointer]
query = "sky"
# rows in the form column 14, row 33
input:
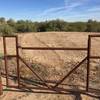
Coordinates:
column 41, row 10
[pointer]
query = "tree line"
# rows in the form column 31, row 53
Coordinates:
column 11, row 26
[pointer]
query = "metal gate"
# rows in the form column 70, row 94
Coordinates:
column 54, row 88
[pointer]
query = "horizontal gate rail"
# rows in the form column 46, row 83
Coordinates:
column 56, row 83
column 52, row 48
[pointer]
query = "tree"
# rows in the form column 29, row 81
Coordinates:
column 10, row 26
column 25, row 26
column 41, row 27
column 92, row 26
column 11, row 22
column 54, row 25
column 77, row 26
column 98, row 27
column 2, row 20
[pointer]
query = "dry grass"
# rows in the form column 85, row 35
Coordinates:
column 55, row 64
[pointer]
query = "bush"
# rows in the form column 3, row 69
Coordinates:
column 25, row 26
column 20, row 26
column 6, row 30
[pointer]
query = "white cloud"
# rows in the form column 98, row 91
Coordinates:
column 90, row 13
column 67, row 6
column 52, row 10
column 94, row 9
column 70, row 11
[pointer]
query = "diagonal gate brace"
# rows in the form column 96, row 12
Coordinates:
column 70, row 73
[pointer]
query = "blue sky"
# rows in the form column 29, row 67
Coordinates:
column 40, row 10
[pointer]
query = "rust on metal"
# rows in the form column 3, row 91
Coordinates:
column 10, row 36
column 56, row 83
column 1, row 87
column 52, row 48
column 94, row 57
column 70, row 72
column 17, row 59
column 5, row 59
column 34, row 72
column 88, row 63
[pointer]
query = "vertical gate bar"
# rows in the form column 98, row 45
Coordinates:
column 1, row 87
column 17, row 58
column 5, row 60
column 88, row 63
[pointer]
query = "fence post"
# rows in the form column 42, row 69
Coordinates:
column 1, row 87
column 5, row 60
column 17, row 58
column 88, row 62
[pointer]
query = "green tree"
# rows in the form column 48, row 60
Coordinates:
column 92, row 26
column 41, row 27
column 11, row 22
column 56, row 25
column 77, row 26
column 25, row 26
column 53, row 25
column 2, row 20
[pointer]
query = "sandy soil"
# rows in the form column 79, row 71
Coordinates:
column 53, row 39
column 51, row 58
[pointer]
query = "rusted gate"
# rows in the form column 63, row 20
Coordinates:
column 56, row 84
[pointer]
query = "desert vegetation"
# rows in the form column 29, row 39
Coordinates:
column 11, row 26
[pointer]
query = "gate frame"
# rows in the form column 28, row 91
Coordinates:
column 88, row 57
column 6, row 56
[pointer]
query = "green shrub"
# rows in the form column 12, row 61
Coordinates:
column 6, row 30
column 7, row 27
